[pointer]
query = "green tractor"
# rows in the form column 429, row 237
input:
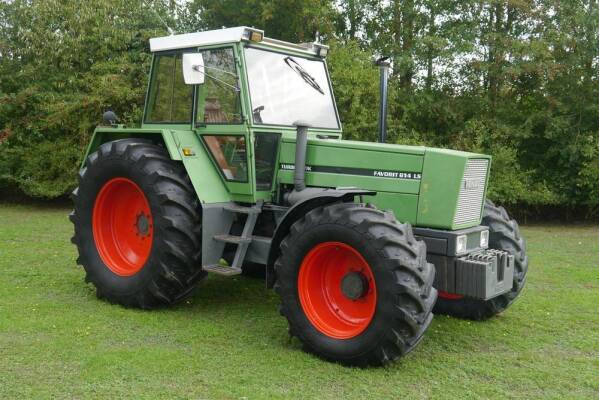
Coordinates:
column 240, row 164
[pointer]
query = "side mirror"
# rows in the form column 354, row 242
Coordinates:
column 193, row 68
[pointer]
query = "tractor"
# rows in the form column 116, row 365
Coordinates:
column 240, row 166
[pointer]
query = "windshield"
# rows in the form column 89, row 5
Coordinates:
column 285, row 89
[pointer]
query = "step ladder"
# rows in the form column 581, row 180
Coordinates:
column 242, row 242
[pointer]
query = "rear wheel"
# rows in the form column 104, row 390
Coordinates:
column 504, row 234
column 354, row 284
column 137, row 225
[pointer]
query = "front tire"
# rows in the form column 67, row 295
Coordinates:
column 137, row 225
column 504, row 235
column 354, row 284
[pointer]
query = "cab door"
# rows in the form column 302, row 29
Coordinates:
column 219, row 121
column 266, row 151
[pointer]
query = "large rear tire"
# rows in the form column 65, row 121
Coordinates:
column 137, row 225
column 354, row 284
column 504, row 235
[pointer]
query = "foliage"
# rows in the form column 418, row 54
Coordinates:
column 515, row 79
column 512, row 78
column 62, row 64
column 291, row 20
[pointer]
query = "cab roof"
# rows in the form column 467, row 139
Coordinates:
column 231, row 35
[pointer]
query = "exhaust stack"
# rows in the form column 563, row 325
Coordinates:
column 300, row 192
column 383, row 65
column 301, row 144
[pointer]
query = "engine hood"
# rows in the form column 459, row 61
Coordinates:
column 421, row 185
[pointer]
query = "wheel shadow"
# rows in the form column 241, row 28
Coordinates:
column 216, row 293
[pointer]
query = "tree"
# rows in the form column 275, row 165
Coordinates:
column 62, row 65
column 291, row 20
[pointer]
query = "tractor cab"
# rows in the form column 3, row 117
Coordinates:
column 240, row 93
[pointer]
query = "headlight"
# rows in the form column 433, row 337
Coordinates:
column 484, row 239
column 460, row 246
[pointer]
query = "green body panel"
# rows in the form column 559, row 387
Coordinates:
column 372, row 146
column 404, row 206
column 201, row 169
column 340, row 153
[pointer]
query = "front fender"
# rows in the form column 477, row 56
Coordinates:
column 317, row 199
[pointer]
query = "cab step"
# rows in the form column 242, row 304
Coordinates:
column 222, row 270
column 241, row 241
column 232, row 239
column 236, row 208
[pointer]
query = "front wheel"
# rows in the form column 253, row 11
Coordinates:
column 354, row 284
column 137, row 225
column 504, row 234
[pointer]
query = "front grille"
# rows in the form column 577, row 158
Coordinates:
column 472, row 192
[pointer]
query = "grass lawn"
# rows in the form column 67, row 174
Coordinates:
column 229, row 342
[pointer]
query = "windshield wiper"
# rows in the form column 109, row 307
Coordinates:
column 309, row 79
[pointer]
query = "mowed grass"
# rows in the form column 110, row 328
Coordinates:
column 229, row 342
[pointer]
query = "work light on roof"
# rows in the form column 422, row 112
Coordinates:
column 253, row 35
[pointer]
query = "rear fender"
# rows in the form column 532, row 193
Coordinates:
column 206, row 180
column 158, row 136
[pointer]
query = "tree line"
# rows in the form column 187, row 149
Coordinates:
column 517, row 79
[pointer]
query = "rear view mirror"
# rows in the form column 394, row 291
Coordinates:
column 193, row 68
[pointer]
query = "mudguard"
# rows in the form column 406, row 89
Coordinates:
column 204, row 177
column 106, row 134
column 317, row 198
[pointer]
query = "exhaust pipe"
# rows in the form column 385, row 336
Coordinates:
column 383, row 65
column 300, row 192
column 301, row 145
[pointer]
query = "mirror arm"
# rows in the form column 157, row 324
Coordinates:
column 198, row 67
column 235, row 88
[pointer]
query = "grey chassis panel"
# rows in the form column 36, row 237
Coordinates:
column 215, row 221
column 442, row 242
column 258, row 250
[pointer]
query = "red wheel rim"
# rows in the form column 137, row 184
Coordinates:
column 449, row 296
column 122, row 226
column 320, row 291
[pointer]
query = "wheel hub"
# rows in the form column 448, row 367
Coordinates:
column 143, row 224
column 354, row 285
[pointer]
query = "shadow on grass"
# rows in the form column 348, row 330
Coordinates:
column 218, row 293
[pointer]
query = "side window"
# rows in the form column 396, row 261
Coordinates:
column 265, row 152
column 218, row 97
column 229, row 152
column 170, row 99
